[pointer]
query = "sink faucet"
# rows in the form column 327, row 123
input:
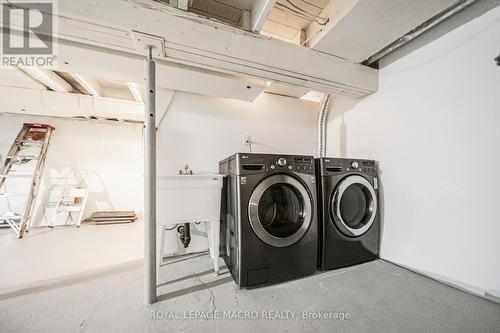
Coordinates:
column 186, row 171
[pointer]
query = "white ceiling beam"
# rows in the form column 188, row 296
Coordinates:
column 181, row 4
column 136, row 91
column 48, row 78
column 246, row 20
column 312, row 96
column 335, row 11
column 60, row 104
column 126, row 67
column 202, row 43
column 89, row 84
column 286, row 90
column 260, row 12
column 300, row 37
column 15, row 77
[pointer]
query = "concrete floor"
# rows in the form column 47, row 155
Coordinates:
column 45, row 254
column 376, row 297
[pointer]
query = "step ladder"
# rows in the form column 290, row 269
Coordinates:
column 72, row 202
column 37, row 137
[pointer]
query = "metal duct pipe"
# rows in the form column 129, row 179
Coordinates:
column 427, row 25
column 322, row 117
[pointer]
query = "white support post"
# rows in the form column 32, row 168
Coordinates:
column 150, row 183
column 260, row 11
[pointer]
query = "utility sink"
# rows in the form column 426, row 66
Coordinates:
column 189, row 198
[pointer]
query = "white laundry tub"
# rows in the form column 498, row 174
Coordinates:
column 188, row 199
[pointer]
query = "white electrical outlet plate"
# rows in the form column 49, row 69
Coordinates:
column 247, row 139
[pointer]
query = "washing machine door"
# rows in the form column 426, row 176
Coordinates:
column 354, row 206
column 280, row 210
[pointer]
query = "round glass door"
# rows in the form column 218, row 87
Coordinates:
column 280, row 210
column 354, row 206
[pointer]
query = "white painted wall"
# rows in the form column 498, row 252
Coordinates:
column 200, row 131
column 196, row 130
column 434, row 125
column 107, row 158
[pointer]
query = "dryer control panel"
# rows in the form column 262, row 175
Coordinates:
column 331, row 166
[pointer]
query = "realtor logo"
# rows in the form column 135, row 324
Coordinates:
column 28, row 33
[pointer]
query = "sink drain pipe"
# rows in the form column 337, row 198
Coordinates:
column 322, row 118
column 184, row 234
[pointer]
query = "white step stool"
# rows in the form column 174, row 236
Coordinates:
column 72, row 201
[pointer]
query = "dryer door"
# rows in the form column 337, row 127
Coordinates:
column 280, row 210
column 354, row 206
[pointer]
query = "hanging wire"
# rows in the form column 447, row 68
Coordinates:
column 287, row 9
column 303, row 13
column 303, row 10
column 299, row 14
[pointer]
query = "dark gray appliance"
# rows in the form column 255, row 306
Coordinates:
column 348, row 206
column 268, row 219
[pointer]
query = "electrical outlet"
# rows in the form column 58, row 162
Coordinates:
column 247, row 139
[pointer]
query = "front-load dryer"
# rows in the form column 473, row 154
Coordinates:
column 268, row 220
column 348, row 206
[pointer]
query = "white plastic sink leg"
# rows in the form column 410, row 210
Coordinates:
column 215, row 245
column 209, row 237
column 159, row 248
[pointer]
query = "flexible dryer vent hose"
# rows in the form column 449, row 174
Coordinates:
column 322, row 117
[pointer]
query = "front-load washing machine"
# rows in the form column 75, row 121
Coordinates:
column 348, row 209
column 268, row 220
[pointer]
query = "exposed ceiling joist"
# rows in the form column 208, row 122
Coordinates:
column 122, row 60
column 16, row 77
column 197, row 42
column 126, row 67
column 246, row 20
column 61, row 104
column 47, row 78
column 136, row 91
column 259, row 13
column 195, row 46
column 91, row 86
column 98, row 62
column 335, row 11
column 286, row 90
column 183, row 4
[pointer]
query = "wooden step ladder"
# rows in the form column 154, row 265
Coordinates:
column 35, row 136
